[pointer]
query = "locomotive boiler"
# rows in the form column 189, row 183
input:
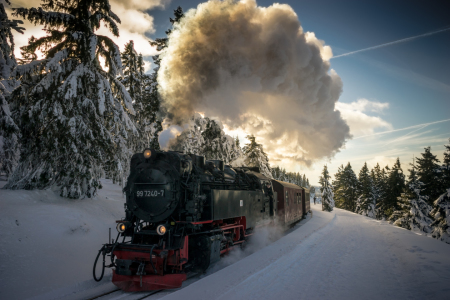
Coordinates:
column 182, row 213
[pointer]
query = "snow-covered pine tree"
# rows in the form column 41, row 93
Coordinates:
column 429, row 173
column 365, row 204
column 211, row 134
column 256, row 157
column 307, row 182
column 276, row 172
column 205, row 137
column 133, row 71
column 70, row 105
column 415, row 211
column 380, row 192
column 151, row 106
column 218, row 145
column 327, row 190
column 191, row 139
column 345, row 188
column 9, row 131
column 338, row 188
column 441, row 215
column 145, row 101
column 446, row 167
column 395, row 186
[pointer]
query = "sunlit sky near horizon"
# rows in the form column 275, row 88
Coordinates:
column 401, row 89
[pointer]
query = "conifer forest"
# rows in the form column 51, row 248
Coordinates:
column 418, row 202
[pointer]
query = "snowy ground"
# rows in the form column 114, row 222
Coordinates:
column 48, row 245
column 338, row 255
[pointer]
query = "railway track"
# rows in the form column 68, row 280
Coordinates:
column 119, row 291
column 133, row 295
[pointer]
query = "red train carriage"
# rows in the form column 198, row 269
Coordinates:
column 306, row 201
column 290, row 202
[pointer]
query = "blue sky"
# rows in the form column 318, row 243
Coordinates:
column 412, row 78
column 384, row 90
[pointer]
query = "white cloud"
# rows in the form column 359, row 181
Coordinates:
column 360, row 123
column 364, row 105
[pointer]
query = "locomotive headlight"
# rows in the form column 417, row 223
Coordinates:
column 161, row 229
column 121, row 227
column 147, row 153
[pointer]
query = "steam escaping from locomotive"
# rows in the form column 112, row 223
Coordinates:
column 256, row 70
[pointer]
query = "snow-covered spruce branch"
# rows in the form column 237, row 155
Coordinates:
column 38, row 16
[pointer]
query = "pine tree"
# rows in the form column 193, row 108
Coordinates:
column 162, row 43
column 365, row 204
column 9, row 131
column 327, row 190
column 338, row 187
column 150, row 110
column 396, row 185
column 205, row 137
column 404, row 200
column 133, row 71
column 256, row 157
column 211, row 133
column 141, row 90
column 191, row 139
column 428, row 172
column 380, row 192
column 345, row 188
column 72, row 112
column 415, row 211
column 445, row 177
column 441, row 215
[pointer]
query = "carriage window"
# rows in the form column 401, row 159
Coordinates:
column 287, row 198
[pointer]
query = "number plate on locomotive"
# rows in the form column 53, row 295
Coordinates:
column 150, row 193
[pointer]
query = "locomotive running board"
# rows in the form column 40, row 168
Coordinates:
column 137, row 283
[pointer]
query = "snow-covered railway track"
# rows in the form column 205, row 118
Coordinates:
column 104, row 294
column 118, row 293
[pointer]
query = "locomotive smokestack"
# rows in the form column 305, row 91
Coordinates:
column 256, row 70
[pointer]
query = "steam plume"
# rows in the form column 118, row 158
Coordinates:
column 255, row 69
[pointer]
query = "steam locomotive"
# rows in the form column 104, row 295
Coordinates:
column 182, row 213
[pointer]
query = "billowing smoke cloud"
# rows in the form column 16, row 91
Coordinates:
column 256, row 70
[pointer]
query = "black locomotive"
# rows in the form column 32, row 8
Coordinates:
column 182, row 213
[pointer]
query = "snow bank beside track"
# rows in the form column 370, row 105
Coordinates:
column 337, row 255
column 49, row 243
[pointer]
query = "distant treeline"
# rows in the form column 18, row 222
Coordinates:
column 420, row 202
